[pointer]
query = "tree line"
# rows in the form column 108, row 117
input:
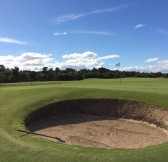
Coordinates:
column 8, row 75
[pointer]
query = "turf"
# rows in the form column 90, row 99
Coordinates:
column 18, row 100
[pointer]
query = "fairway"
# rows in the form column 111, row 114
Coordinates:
column 19, row 100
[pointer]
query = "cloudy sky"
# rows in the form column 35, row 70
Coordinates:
column 84, row 34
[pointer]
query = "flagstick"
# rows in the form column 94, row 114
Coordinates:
column 119, row 71
column 119, row 74
column 120, row 78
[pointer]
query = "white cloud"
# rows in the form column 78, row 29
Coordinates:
column 71, row 17
column 13, row 41
column 139, row 26
column 113, row 9
column 152, row 59
column 36, row 61
column 160, row 66
column 160, row 30
column 164, row 62
column 87, row 54
column 101, row 33
column 28, row 61
column 58, row 34
column 163, row 69
column 92, row 32
column 109, row 57
column 86, row 60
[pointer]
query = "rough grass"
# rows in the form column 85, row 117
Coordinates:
column 18, row 100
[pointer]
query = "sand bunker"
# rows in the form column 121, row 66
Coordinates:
column 101, row 123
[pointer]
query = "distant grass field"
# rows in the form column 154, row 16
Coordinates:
column 18, row 100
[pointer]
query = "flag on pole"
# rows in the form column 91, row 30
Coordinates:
column 118, row 64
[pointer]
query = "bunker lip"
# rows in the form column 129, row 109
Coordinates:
column 105, row 123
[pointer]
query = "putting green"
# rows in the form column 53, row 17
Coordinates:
column 19, row 100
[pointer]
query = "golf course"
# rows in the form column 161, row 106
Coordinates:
column 19, row 100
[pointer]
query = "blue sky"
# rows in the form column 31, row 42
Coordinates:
column 84, row 34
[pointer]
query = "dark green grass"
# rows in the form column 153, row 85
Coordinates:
column 18, row 100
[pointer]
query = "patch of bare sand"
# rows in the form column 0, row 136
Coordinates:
column 99, row 131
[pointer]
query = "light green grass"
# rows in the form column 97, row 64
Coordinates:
column 18, row 100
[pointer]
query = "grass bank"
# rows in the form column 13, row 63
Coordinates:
column 18, row 100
